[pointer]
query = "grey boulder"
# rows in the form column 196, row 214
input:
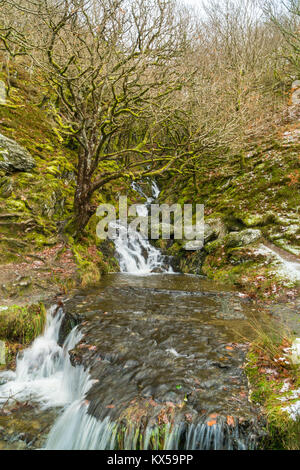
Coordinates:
column 14, row 157
column 245, row 237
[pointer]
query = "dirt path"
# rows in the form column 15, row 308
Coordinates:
column 38, row 277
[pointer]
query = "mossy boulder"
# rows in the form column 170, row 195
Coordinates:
column 253, row 220
column 22, row 324
column 242, row 238
column 14, row 157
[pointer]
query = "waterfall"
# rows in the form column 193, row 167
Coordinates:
column 44, row 373
column 78, row 430
column 136, row 254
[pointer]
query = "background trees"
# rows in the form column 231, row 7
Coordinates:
column 144, row 87
column 285, row 16
column 110, row 67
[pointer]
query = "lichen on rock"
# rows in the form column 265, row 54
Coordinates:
column 14, row 157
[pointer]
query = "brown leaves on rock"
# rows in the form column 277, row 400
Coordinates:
column 230, row 420
column 212, row 419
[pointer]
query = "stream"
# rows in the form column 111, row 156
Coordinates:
column 155, row 363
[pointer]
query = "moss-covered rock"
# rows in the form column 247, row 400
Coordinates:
column 22, row 324
column 257, row 219
column 13, row 157
column 243, row 238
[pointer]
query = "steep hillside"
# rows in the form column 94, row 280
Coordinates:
column 37, row 183
column 252, row 203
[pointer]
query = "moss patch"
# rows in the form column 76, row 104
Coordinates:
column 22, row 324
column 273, row 381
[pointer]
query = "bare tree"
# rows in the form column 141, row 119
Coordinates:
column 286, row 18
column 112, row 66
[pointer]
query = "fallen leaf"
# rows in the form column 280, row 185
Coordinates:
column 212, row 422
column 230, row 420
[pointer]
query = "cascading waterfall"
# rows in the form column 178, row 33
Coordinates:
column 45, row 374
column 78, row 430
column 136, row 254
column 43, row 371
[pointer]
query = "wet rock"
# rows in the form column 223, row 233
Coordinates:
column 245, row 237
column 14, row 157
column 68, row 323
column 162, row 229
column 147, row 373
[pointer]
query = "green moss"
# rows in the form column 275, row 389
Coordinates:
column 88, row 270
column 22, row 324
column 213, row 246
column 283, row 432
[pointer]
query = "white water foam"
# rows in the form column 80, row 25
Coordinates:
column 78, row 430
column 44, row 373
column 136, row 254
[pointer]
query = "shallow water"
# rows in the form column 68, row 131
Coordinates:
column 156, row 363
column 157, row 347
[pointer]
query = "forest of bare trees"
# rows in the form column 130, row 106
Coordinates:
column 144, row 86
